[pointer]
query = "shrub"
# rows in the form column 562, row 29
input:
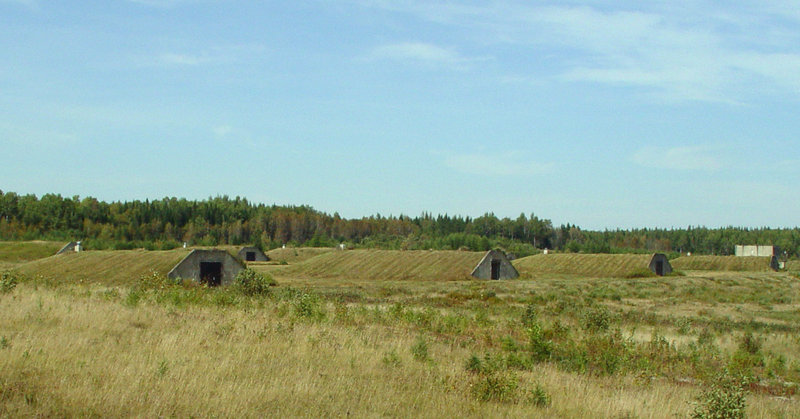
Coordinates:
column 8, row 280
column 250, row 282
column 309, row 306
column 724, row 399
column 539, row 397
column 596, row 319
column 496, row 388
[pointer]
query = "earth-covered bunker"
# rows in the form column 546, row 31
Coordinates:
column 209, row 266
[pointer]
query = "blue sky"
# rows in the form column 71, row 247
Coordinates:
column 605, row 113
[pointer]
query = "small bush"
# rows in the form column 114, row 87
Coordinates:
column 309, row 306
column 8, row 280
column 501, row 388
column 250, row 282
column 539, row 397
column 596, row 319
column 724, row 399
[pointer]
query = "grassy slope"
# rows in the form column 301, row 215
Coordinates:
column 721, row 263
column 16, row 252
column 116, row 267
column 586, row 265
column 387, row 265
column 297, row 254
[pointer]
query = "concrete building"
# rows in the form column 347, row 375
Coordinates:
column 756, row 250
column 69, row 247
column 660, row 265
column 252, row 254
column 210, row 266
column 495, row 265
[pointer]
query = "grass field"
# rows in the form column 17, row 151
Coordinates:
column 584, row 265
column 356, row 345
column 722, row 263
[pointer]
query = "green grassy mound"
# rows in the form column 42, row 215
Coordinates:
column 112, row 267
column 387, row 265
column 722, row 263
column 16, row 252
column 296, row 254
column 586, row 265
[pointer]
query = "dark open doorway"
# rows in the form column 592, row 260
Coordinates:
column 660, row 268
column 250, row 256
column 211, row 273
column 495, row 269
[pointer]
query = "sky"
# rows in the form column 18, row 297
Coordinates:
column 604, row 114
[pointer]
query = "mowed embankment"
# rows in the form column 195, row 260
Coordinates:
column 391, row 265
column 16, row 252
column 296, row 254
column 585, row 265
column 722, row 263
column 111, row 267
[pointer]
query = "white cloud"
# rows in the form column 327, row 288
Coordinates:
column 222, row 130
column 702, row 158
column 420, row 53
column 493, row 164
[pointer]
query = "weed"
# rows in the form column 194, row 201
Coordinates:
column 539, row 396
column 419, row 350
column 133, row 297
column 474, row 364
column 391, row 359
column 4, row 343
column 162, row 369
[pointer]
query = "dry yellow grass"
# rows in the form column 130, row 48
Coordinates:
column 584, row 265
column 722, row 263
column 387, row 265
column 104, row 266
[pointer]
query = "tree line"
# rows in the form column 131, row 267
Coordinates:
column 168, row 222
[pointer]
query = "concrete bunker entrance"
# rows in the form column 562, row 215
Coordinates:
column 660, row 268
column 250, row 256
column 211, row 273
column 495, row 269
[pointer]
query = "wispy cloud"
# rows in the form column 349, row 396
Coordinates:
column 421, row 53
column 496, row 164
column 688, row 53
column 703, row 158
column 37, row 137
column 31, row 4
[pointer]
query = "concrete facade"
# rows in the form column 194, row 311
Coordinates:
column 69, row 247
column 252, row 254
column 660, row 265
column 495, row 265
column 755, row 250
column 212, row 266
